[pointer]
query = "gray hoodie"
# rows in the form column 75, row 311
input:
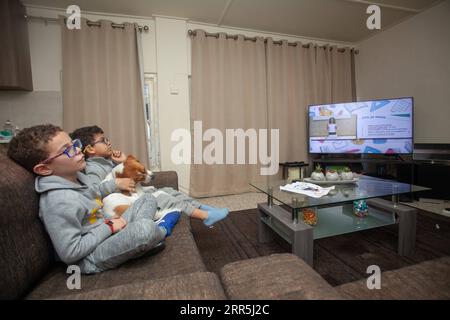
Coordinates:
column 97, row 168
column 72, row 214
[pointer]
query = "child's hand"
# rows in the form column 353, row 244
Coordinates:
column 118, row 156
column 118, row 224
column 125, row 184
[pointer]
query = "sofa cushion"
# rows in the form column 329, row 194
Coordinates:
column 25, row 249
column 165, row 179
column 426, row 280
column 179, row 257
column 193, row 286
column 183, row 225
column 278, row 276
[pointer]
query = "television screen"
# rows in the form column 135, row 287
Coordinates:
column 377, row 126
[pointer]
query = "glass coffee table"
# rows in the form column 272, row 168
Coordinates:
column 334, row 213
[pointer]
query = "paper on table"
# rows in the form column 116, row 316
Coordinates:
column 306, row 188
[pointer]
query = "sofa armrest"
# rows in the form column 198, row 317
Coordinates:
column 165, row 179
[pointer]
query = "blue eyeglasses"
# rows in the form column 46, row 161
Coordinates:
column 70, row 151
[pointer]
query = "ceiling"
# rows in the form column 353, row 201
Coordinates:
column 337, row 20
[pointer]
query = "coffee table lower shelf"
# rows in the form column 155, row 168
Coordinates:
column 334, row 221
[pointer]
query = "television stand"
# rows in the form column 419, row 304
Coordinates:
column 342, row 159
column 394, row 157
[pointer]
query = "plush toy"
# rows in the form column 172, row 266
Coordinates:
column 115, row 204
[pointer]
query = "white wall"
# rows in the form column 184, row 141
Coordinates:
column 408, row 59
column 166, row 51
column 173, row 90
column 44, row 104
column 45, row 40
column 412, row 59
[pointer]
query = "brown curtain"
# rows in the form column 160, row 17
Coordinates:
column 228, row 92
column 298, row 76
column 102, row 84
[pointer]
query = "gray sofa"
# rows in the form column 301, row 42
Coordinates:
column 29, row 271
column 284, row 276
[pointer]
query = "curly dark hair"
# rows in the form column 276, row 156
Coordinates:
column 29, row 147
column 86, row 134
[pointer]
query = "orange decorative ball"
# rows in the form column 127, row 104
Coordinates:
column 309, row 217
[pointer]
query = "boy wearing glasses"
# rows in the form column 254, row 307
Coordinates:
column 70, row 205
column 101, row 159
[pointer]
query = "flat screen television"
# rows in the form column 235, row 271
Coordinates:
column 364, row 127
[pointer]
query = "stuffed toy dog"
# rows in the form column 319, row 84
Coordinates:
column 115, row 204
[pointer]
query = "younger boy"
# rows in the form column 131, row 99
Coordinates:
column 101, row 159
column 70, row 205
column 98, row 152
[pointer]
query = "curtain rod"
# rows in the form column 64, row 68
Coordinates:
column 292, row 44
column 89, row 23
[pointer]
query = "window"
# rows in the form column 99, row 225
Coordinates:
column 152, row 120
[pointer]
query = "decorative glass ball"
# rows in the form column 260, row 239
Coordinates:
column 360, row 208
